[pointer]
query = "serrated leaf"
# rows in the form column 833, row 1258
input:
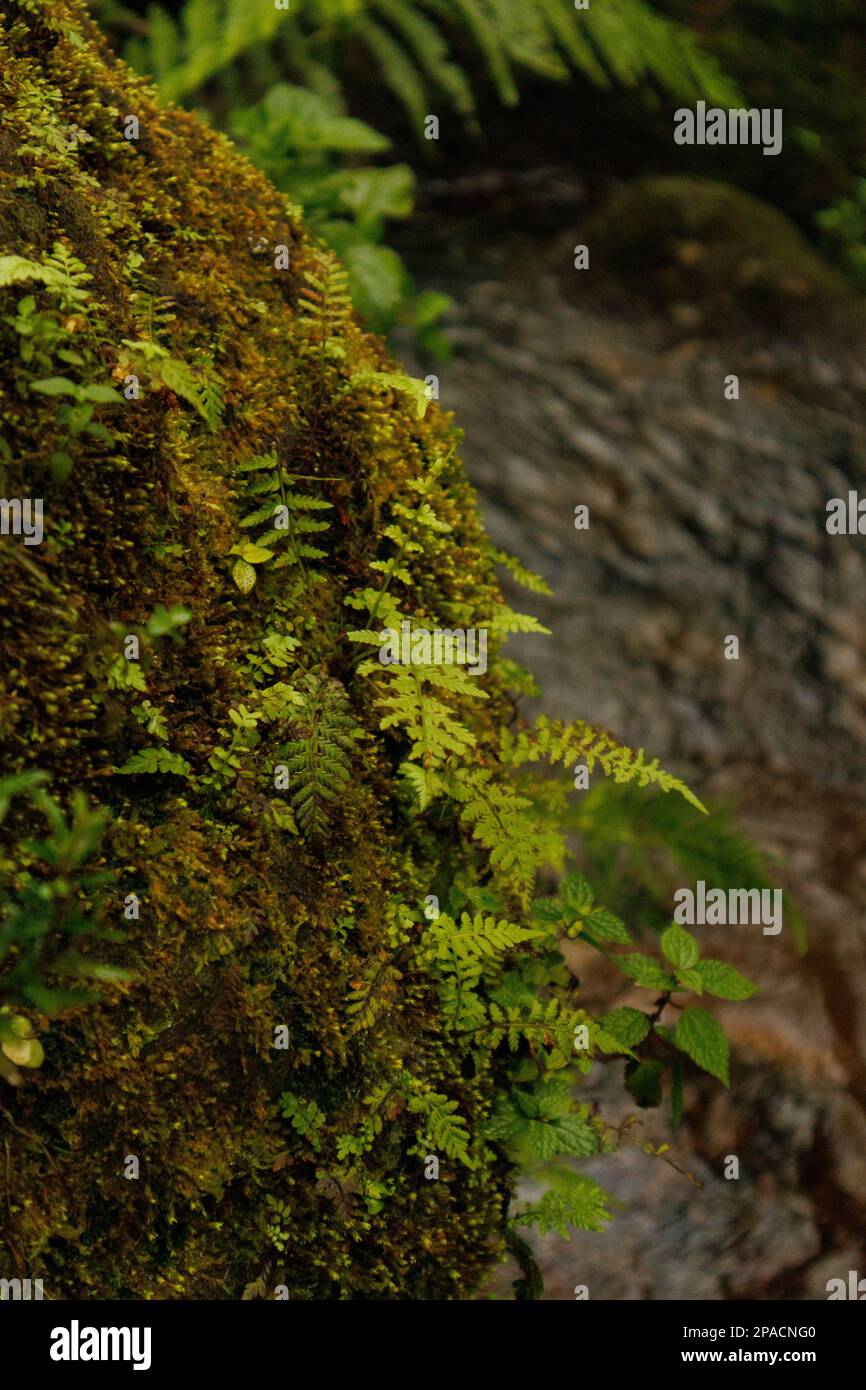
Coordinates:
column 645, row 971
column 680, row 948
column 602, row 925
column 547, row 910
column 577, row 892
column 628, row 1026
column 690, row 980
column 724, row 981
column 702, row 1038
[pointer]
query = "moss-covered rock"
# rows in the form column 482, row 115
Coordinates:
column 277, row 1008
column 164, row 271
column 707, row 244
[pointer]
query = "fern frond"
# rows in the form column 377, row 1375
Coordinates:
column 504, row 822
column 318, row 758
column 493, row 50
column 399, row 72
column 566, row 743
column 394, row 381
column 433, row 729
column 431, row 51
column 527, row 578
column 503, row 620
column 444, row 1129
column 581, row 1205
column 371, row 994
column 476, row 938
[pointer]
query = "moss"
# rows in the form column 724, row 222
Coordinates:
column 711, row 245
column 244, row 925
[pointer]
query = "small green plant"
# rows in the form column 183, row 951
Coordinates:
column 200, row 388
column 49, row 907
column 267, row 487
column 843, row 228
column 320, row 157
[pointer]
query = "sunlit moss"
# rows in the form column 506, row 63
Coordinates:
column 242, row 926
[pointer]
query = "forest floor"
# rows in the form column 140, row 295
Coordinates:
column 707, row 518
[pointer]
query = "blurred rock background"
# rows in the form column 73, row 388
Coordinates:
column 707, row 518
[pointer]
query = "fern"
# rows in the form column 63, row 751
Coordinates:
column 576, row 1203
column 318, row 758
column 393, row 381
column 434, row 731
column 156, row 760
column 371, row 994
column 503, row 621
column 444, row 1129
column 504, row 822
column 61, row 273
column 325, row 305
column 568, row 743
column 527, row 578
column 475, row 939
column 548, row 1027
column 614, row 41
column 287, row 511
column 660, row 832
column 200, row 389
column 18, row 270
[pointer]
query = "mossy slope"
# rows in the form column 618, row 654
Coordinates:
column 245, row 923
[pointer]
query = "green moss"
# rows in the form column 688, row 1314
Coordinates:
column 712, row 245
column 243, row 926
column 215, row 911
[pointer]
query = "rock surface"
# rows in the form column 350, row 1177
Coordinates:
column 707, row 519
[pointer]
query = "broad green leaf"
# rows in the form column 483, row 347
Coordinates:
column 679, row 947
column 55, row 386
column 628, row 1026
column 378, row 283
column 576, row 891
column 547, row 910
column 253, row 554
column 101, row 394
column 724, row 981
column 602, row 925
column 645, row 971
column 702, row 1038
column 691, row 980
